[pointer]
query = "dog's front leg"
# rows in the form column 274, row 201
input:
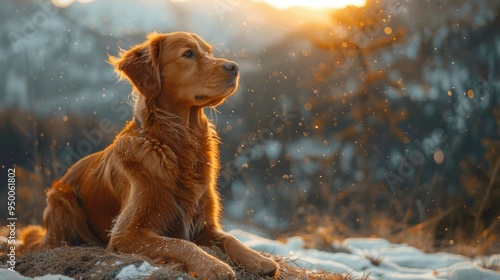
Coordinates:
column 143, row 241
column 149, row 212
column 249, row 259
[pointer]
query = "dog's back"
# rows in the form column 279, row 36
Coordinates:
column 80, row 206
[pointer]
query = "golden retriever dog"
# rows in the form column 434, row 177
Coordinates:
column 153, row 192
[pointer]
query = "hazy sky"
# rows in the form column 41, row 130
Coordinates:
column 281, row 4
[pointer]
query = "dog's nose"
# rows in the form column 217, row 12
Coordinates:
column 231, row 67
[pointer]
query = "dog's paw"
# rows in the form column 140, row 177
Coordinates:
column 249, row 259
column 207, row 267
column 256, row 263
column 216, row 271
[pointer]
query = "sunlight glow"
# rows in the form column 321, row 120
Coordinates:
column 317, row 4
column 67, row 3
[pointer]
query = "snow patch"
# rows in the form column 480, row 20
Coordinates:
column 132, row 271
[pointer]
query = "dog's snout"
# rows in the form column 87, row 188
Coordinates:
column 231, row 67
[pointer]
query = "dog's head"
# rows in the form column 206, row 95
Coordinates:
column 178, row 69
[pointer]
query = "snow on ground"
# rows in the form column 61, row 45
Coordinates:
column 9, row 275
column 397, row 261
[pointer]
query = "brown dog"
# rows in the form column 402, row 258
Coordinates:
column 153, row 191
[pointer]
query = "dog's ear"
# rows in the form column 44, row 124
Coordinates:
column 141, row 65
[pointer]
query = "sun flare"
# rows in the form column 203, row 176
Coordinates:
column 317, row 4
column 67, row 3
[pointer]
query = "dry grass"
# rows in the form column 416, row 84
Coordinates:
column 325, row 239
column 98, row 263
column 76, row 262
column 489, row 264
column 374, row 259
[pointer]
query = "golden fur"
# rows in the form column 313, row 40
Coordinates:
column 153, row 190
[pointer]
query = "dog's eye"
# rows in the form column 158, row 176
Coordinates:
column 188, row 54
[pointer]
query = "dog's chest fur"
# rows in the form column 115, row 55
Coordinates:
column 198, row 164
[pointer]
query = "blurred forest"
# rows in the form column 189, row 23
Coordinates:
column 382, row 120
